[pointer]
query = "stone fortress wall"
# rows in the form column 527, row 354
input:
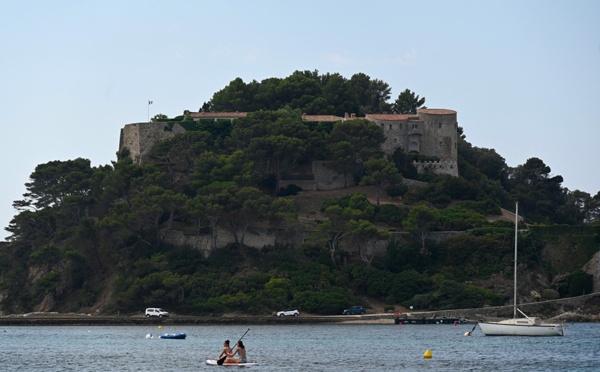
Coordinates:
column 139, row 138
column 431, row 132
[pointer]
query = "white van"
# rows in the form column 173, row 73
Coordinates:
column 155, row 311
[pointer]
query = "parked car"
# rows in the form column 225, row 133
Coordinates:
column 156, row 311
column 288, row 313
column 355, row 310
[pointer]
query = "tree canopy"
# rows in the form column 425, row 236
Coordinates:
column 408, row 103
column 310, row 92
column 153, row 234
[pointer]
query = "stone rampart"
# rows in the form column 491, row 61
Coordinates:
column 438, row 167
column 255, row 238
column 413, row 183
column 306, row 185
column 328, row 179
column 431, row 132
column 139, row 138
column 582, row 306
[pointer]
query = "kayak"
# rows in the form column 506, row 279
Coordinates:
column 211, row 362
column 174, row 336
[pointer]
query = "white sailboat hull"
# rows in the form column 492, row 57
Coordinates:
column 502, row 329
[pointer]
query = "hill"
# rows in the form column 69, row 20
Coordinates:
column 204, row 228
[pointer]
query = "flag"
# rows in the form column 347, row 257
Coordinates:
column 150, row 102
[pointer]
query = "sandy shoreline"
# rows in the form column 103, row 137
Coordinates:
column 83, row 319
column 52, row 318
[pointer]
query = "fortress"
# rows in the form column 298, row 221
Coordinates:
column 431, row 132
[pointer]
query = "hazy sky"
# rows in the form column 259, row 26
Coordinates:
column 524, row 76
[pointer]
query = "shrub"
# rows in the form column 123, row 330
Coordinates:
column 290, row 189
column 390, row 214
column 396, row 190
column 343, row 202
column 580, row 282
column 48, row 254
column 421, row 301
column 325, row 303
column 47, row 282
column 550, row 294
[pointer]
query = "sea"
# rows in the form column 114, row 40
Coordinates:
column 355, row 347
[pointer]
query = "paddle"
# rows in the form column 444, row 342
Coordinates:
column 222, row 360
column 469, row 333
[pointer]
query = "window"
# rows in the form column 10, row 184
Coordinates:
column 395, row 140
column 440, row 125
column 440, row 145
column 390, row 126
column 415, row 126
column 382, row 126
column 413, row 144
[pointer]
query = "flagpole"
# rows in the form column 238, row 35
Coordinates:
column 148, row 110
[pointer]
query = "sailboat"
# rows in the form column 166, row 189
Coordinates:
column 526, row 326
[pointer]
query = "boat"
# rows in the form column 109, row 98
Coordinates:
column 527, row 326
column 174, row 336
column 434, row 320
column 211, row 362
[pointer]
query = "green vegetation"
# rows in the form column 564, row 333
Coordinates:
column 131, row 233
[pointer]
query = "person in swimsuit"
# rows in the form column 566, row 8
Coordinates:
column 226, row 351
column 241, row 351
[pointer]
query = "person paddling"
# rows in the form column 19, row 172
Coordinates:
column 241, row 351
column 226, row 351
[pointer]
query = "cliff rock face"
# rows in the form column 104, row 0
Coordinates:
column 593, row 268
column 568, row 248
column 255, row 238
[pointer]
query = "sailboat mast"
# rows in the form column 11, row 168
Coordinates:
column 515, row 284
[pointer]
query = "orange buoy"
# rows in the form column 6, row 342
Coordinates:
column 427, row 354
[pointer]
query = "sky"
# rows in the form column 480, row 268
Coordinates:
column 523, row 76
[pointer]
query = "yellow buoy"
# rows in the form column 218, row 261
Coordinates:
column 159, row 327
column 427, row 354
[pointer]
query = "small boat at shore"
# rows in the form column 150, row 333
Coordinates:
column 173, row 336
column 434, row 320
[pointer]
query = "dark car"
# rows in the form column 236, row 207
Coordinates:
column 355, row 310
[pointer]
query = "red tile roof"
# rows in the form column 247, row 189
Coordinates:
column 217, row 115
column 394, row 117
column 436, row 111
column 321, row 118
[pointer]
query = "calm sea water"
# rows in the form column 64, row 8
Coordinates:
column 297, row 348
